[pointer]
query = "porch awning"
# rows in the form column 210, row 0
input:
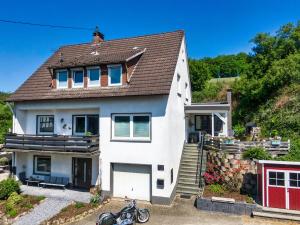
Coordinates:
column 207, row 107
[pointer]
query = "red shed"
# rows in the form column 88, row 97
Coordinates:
column 279, row 184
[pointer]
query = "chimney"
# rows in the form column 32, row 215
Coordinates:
column 98, row 36
column 229, row 123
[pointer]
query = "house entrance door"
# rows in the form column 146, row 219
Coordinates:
column 82, row 172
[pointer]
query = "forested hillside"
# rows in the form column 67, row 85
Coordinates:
column 268, row 88
column 5, row 116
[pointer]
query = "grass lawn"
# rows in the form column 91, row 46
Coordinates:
column 24, row 205
column 73, row 210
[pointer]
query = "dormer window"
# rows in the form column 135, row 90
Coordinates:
column 114, row 75
column 62, row 79
column 93, row 76
column 77, row 78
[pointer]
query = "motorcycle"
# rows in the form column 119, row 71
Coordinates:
column 129, row 215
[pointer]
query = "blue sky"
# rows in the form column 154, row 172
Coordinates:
column 212, row 27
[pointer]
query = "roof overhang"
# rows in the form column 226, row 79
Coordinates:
column 279, row 162
column 205, row 108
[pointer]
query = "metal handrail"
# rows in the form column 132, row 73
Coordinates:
column 200, row 153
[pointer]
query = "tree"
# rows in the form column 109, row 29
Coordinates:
column 200, row 74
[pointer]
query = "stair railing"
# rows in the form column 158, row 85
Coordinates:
column 200, row 153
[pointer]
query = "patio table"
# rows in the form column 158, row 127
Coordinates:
column 33, row 181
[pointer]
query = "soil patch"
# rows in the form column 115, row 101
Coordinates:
column 226, row 194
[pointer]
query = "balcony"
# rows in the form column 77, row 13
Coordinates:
column 55, row 143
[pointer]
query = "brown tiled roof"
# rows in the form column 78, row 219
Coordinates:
column 152, row 75
column 96, row 59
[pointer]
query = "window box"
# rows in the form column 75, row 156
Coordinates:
column 131, row 127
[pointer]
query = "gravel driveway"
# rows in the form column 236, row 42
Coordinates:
column 182, row 212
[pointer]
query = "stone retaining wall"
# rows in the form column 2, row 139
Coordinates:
column 229, row 163
column 239, row 208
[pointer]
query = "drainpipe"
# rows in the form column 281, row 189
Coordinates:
column 229, row 115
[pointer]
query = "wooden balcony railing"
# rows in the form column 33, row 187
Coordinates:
column 55, row 143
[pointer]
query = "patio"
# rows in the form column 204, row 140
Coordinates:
column 68, row 194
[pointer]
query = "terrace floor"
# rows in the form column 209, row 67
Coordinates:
column 68, row 194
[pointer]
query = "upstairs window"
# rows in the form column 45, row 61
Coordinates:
column 115, row 75
column 77, row 78
column 178, row 85
column 93, row 77
column 45, row 125
column 62, row 79
column 186, row 92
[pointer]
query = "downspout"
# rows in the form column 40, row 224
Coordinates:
column 229, row 115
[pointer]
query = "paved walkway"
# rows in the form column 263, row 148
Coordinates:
column 47, row 209
column 73, row 195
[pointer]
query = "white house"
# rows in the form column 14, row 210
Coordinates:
column 108, row 113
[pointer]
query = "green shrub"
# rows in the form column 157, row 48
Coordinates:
column 239, row 130
column 40, row 197
column 3, row 161
column 216, row 188
column 12, row 201
column 79, row 205
column 256, row 153
column 7, row 187
column 95, row 199
column 12, row 213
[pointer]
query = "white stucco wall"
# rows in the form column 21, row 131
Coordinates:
column 167, row 137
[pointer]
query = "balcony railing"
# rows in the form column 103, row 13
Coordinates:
column 55, row 143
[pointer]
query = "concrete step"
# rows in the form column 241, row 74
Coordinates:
column 188, row 184
column 190, row 145
column 188, row 168
column 191, row 157
column 187, row 190
column 277, row 215
column 187, row 174
column 282, row 211
column 192, row 180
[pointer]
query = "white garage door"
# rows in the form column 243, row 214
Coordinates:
column 131, row 181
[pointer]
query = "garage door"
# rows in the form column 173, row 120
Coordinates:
column 131, row 181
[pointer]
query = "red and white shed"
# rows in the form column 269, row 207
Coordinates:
column 279, row 184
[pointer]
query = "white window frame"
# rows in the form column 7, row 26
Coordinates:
column 131, row 137
column 81, row 85
column 88, row 74
column 178, row 80
column 57, row 79
column 35, row 165
column 38, row 125
column 109, row 75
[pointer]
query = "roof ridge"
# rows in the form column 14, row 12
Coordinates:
column 125, row 38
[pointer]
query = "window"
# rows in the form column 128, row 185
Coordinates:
column 115, row 75
column 160, row 184
column 85, row 125
column 131, row 127
column 294, row 179
column 276, row 178
column 42, row 165
column 178, row 85
column 62, row 79
column 77, row 78
column 160, row 167
column 186, row 92
column 93, row 77
column 45, row 125
column 172, row 176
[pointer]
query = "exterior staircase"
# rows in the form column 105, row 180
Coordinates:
column 193, row 164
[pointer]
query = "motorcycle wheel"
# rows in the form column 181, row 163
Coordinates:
column 143, row 216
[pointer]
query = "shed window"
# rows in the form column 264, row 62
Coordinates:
column 276, row 178
column 294, row 179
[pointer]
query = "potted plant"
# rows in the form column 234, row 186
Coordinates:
column 275, row 138
column 228, row 140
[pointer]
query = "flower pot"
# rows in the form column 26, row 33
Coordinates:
column 275, row 142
